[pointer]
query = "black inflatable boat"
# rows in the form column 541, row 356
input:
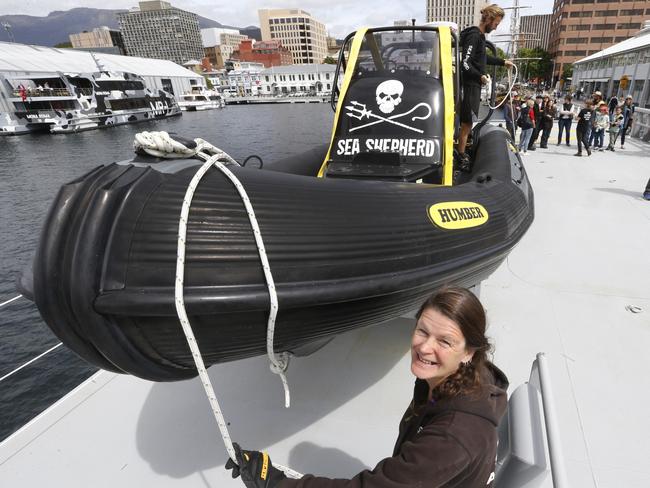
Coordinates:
column 357, row 233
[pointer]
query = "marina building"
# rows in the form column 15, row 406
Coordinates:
column 158, row 30
column 580, row 28
column 540, row 25
column 298, row 31
column 463, row 12
column 99, row 38
column 220, row 43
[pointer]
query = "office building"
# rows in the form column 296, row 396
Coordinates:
column 584, row 27
column 269, row 53
column 219, row 44
column 101, row 38
column 158, row 30
column 298, row 31
column 539, row 26
column 462, row 12
column 315, row 79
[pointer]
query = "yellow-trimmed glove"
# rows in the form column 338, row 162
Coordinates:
column 255, row 469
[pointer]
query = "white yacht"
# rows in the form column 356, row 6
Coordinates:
column 75, row 102
column 200, row 98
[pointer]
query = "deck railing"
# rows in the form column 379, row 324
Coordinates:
column 45, row 92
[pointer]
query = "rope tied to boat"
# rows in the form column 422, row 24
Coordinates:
column 161, row 144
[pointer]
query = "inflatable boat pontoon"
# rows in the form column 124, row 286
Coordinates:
column 356, row 233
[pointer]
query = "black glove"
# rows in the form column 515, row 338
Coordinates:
column 255, row 469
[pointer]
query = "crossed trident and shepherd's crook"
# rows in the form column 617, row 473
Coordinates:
column 359, row 111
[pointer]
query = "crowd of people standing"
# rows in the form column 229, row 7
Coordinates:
column 536, row 115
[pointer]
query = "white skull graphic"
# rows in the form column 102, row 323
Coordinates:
column 389, row 95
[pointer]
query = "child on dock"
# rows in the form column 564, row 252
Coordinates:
column 615, row 127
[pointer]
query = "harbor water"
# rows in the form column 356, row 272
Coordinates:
column 33, row 168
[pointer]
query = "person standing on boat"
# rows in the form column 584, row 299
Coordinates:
column 474, row 60
column 447, row 437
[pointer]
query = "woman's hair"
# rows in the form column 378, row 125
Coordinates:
column 492, row 12
column 462, row 307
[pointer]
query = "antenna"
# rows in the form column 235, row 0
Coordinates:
column 7, row 27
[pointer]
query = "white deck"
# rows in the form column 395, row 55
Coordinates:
column 563, row 290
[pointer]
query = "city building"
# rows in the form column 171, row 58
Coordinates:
column 155, row 29
column 580, row 28
column 99, row 38
column 539, row 26
column 306, row 79
column 463, row 12
column 243, row 79
column 219, row 44
column 622, row 69
column 269, row 53
column 298, row 31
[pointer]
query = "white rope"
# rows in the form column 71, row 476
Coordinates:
column 30, row 362
column 157, row 144
column 10, row 300
column 511, row 82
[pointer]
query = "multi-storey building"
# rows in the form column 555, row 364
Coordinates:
column 462, row 12
column 220, row 43
column 540, row 26
column 100, row 37
column 580, row 28
column 298, row 31
column 155, row 29
column 269, row 53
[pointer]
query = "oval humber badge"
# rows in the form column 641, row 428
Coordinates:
column 458, row 215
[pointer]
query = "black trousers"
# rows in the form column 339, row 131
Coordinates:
column 582, row 134
column 534, row 137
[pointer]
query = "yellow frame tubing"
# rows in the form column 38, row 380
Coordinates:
column 351, row 65
column 444, row 34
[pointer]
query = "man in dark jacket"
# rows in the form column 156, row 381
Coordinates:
column 474, row 59
column 538, row 109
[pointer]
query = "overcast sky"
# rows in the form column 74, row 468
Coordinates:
column 339, row 16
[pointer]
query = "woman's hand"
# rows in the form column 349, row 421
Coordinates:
column 255, row 469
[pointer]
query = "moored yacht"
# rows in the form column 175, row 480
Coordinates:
column 74, row 102
column 200, row 98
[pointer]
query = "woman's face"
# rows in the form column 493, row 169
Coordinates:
column 437, row 347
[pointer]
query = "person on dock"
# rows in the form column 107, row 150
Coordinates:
column 601, row 124
column 526, row 122
column 615, row 127
column 546, row 123
column 447, row 436
column 566, row 112
column 538, row 108
column 583, row 127
column 474, row 60
column 628, row 118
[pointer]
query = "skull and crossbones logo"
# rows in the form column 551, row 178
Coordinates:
column 388, row 95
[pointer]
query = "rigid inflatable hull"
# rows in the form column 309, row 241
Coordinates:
column 343, row 253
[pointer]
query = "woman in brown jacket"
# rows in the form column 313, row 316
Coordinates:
column 447, row 437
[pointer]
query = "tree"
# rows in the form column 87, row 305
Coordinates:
column 63, row 45
column 329, row 60
column 536, row 68
column 567, row 71
column 502, row 72
column 208, row 83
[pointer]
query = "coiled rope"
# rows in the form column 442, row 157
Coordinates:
column 511, row 81
column 160, row 144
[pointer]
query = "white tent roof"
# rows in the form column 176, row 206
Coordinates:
column 40, row 59
column 642, row 39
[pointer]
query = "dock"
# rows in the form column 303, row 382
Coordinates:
column 278, row 99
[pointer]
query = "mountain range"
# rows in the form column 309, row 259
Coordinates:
column 58, row 25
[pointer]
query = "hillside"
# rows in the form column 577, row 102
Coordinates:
column 57, row 26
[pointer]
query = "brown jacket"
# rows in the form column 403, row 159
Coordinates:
column 450, row 443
